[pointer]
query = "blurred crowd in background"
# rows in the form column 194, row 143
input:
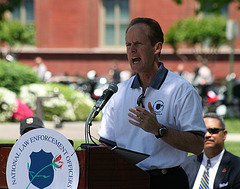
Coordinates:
column 70, row 98
column 214, row 94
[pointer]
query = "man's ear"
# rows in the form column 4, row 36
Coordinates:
column 158, row 47
column 225, row 134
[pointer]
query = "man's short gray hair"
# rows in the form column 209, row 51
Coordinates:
column 215, row 116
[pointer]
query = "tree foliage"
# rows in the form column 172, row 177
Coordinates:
column 13, row 75
column 8, row 5
column 16, row 33
column 212, row 6
column 200, row 34
column 13, row 33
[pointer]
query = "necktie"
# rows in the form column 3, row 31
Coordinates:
column 205, row 177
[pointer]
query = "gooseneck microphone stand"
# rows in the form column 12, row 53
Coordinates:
column 107, row 93
column 88, row 124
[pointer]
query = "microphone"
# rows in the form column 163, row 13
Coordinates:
column 107, row 94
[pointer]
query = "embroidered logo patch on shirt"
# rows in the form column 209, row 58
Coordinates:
column 158, row 107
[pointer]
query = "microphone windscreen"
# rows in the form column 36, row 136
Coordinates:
column 113, row 87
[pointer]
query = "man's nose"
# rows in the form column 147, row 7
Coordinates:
column 133, row 48
column 207, row 135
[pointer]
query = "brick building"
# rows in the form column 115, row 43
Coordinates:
column 74, row 37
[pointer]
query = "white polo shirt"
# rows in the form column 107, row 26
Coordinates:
column 176, row 104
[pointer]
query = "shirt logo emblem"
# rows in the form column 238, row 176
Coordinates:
column 158, row 107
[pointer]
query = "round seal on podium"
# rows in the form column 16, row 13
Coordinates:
column 42, row 158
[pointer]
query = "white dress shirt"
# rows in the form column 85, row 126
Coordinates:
column 212, row 170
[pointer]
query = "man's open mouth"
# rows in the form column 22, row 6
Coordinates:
column 136, row 60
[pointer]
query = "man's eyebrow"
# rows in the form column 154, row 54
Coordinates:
column 136, row 42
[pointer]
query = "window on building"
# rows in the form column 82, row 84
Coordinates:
column 223, row 11
column 24, row 13
column 115, row 18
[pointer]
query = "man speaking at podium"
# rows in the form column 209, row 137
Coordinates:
column 155, row 112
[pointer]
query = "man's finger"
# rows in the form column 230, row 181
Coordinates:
column 150, row 108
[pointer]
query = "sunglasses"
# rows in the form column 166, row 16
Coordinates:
column 214, row 130
column 140, row 100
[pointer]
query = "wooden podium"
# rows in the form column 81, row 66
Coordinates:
column 99, row 168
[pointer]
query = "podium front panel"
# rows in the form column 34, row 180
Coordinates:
column 105, row 169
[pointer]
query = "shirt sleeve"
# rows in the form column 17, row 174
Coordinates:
column 188, row 111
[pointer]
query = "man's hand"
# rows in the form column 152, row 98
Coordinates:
column 182, row 140
column 145, row 119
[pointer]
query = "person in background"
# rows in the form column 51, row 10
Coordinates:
column 224, row 167
column 114, row 74
column 202, row 80
column 30, row 123
column 155, row 112
column 40, row 68
column 182, row 72
column 125, row 74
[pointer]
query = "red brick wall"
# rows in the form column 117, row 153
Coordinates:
column 164, row 11
column 77, row 63
column 67, row 24
column 234, row 13
column 72, row 25
column 81, row 63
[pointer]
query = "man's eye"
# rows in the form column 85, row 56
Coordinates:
column 138, row 43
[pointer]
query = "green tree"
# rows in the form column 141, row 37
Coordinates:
column 8, row 5
column 204, row 36
column 15, row 33
column 212, row 6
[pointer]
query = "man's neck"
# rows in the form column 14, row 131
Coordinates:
column 212, row 152
column 146, row 77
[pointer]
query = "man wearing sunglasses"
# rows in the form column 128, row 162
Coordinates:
column 224, row 169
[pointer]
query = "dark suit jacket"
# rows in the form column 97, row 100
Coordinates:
column 228, row 173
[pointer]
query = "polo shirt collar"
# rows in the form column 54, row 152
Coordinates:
column 157, row 80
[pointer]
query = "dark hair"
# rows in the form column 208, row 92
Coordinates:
column 155, row 34
column 215, row 116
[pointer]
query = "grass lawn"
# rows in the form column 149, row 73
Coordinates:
column 233, row 147
column 232, row 125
